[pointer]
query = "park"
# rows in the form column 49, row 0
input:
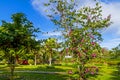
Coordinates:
column 78, row 56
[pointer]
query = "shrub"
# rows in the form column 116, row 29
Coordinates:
column 25, row 62
column 30, row 61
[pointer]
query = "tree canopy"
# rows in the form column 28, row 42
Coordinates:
column 16, row 38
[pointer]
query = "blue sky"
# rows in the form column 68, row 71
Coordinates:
column 35, row 12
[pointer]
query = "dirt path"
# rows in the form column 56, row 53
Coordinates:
column 42, row 72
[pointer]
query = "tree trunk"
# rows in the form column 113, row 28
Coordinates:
column 60, row 58
column 12, row 68
column 35, row 60
column 12, row 62
column 50, row 60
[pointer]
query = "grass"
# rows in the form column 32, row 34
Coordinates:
column 106, row 72
column 37, row 68
column 110, row 71
column 35, row 76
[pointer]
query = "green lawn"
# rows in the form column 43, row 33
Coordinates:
column 35, row 76
column 106, row 72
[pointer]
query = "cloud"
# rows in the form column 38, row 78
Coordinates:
column 113, row 9
column 107, row 7
column 49, row 34
column 111, row 43
column 39, row 6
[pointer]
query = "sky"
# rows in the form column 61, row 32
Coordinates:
column 35, row 12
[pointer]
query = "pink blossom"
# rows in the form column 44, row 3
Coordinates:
column 82, row 40
column 70, row 72
column 93, row 43
column 92, row 73
column 87, row 70
column 91, row 36
column 93, row 55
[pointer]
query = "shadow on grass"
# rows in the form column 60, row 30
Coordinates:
column 116, row 74
column 35, row 76
column 49, row 69
column 43, row 68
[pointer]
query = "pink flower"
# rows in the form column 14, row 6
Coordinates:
column 70, row 72
column 93, row 55
column 76, row 49
column 92, row 73
column 91, row 36
column 82, row 40
column 87, row 70
column 93, row 43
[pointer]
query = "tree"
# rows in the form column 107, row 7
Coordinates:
column 16, row 37
column 81, row 29
column 116, row 51
column 35, row 48
column 51, row 47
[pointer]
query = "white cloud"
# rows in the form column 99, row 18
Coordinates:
column 114, row 29
column 111, row 43
column 113, row 9
column 49, row 34
column 107, row 7
column 39, row 6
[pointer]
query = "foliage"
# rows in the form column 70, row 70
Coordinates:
column 81, row 29
column 30, row 61
column 51, row 46
column 116, row 52
column 16, row 38
column 105, row 73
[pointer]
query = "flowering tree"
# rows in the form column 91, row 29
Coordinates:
column 81, row 30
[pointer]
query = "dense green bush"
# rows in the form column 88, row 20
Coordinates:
column 30, row 61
